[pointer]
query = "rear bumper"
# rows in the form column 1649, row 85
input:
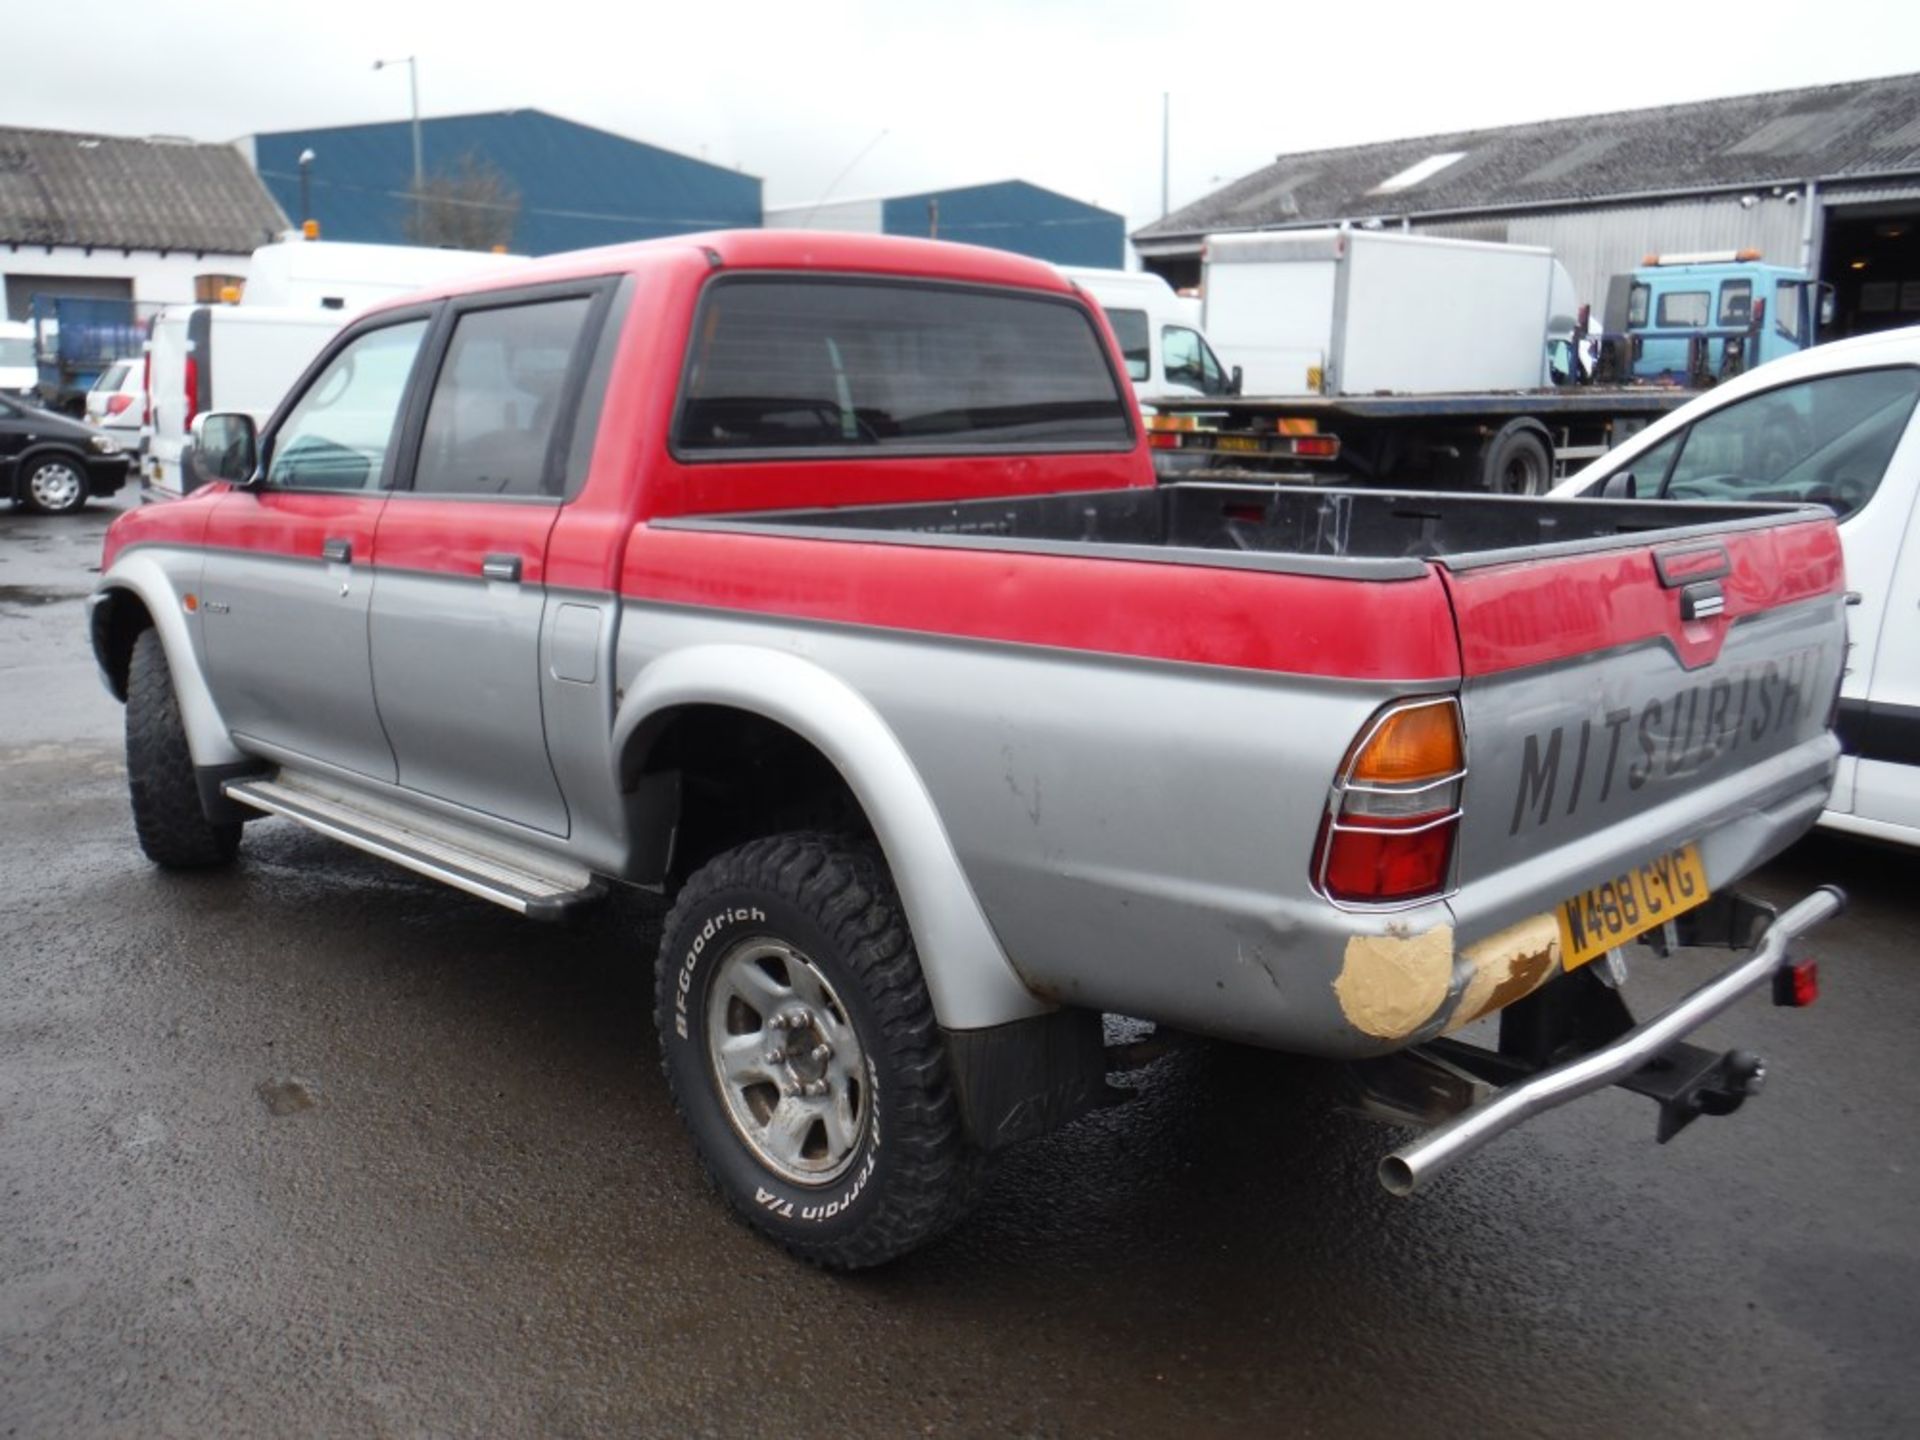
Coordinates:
column 1406, row 1169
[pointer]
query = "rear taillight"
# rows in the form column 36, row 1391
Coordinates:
column 117, row 403
column 1394, row 813
column 146, row 387
column 193, row 392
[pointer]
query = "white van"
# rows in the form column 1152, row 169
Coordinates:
column 1159, row 333
column 19, row 374
column 245, row 356
column 1833, row 425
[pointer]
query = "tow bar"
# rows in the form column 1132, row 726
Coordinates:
column 1648, row 1058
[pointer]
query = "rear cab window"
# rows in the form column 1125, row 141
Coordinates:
column 1736, row 302
column 781, row 364
column 1638, row 299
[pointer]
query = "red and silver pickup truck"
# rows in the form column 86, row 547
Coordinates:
column 822, row 584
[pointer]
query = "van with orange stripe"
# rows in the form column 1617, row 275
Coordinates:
column 820, row 585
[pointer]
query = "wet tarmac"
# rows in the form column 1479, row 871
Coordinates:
column 312, row 1147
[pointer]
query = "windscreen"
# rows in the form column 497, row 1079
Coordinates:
column 787, row 364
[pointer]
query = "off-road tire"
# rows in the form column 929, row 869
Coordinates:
column 829, row 897
column 167, row 816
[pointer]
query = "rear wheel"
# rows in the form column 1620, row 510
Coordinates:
column 54, row 484
column 800, row 1046
column 1517, row 462
column 167, row 816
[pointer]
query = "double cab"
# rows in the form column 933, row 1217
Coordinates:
column 821, row 585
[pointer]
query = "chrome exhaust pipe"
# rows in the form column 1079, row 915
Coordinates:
column 1411, row 1166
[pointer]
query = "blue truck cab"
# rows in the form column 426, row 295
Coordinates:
column 1703, row 317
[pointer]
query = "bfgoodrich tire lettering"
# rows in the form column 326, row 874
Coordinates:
column 167, row 816
column 825, row 903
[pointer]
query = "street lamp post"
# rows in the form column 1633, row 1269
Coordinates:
column 413, row 92
column 306, row 193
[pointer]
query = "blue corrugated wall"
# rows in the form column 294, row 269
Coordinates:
column 1013, row 215
column 578, row 186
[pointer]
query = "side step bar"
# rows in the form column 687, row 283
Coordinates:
column 522, row 880
column 1408, row 1168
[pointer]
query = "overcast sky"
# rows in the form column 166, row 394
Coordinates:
column 1065, row 93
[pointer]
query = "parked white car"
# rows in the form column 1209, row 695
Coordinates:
column 117, row 402
column 1835, row 424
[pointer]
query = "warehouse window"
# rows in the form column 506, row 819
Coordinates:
column 780, row 365
column 1683, row 310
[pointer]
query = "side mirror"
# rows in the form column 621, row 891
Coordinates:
column 1620, row 486
column 1826, row 305
column 1236, row 380
column 225, row 447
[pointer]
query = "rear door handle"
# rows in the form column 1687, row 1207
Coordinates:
column 501, row 567
column 337, row 551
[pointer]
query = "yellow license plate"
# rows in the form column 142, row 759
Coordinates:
column 1629, row 905
column 1245, row 443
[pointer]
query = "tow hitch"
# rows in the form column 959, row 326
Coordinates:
column 1575, row 1036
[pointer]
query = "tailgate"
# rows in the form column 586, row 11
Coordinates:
column 1642, row 721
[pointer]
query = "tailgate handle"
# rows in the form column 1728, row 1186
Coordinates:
column 337, row 551
column 501, row 567
column 1703, row 601
column 1686, row 564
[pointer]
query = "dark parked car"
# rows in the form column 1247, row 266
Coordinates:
column 52, row 464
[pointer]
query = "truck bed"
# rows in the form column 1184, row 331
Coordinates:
column 1358, row 534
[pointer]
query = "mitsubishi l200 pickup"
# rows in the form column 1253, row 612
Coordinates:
column 821, row 584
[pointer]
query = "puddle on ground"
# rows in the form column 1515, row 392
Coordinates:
column 29, row 595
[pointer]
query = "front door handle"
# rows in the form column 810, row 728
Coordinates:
column 337, row 551
column 501, row 567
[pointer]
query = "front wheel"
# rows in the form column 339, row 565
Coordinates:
column 55, row 485
column 800, row 1046
column 173, row 828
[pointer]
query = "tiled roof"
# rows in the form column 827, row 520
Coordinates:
column 58, row 187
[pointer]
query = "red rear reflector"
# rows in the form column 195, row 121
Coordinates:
column 1162, row 440
column 193, row 391
column 1797, row 985
column 1323, row 446
column 117, row 403
column 146, row 388
column 1373, row 860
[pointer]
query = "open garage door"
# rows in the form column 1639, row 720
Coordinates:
column 1870, row 254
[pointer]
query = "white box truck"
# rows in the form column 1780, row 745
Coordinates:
column 245, row 356
column 1374, row 354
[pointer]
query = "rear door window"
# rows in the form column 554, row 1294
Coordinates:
column 1683, row 310
column 781, row 365
column 1786, row 308
column 1826, row 441
column 498, row 401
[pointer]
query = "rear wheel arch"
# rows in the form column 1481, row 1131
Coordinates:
column 847, row 767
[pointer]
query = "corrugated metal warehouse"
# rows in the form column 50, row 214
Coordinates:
column 1006, row 215
column 1827, row 178
column 522, row 180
